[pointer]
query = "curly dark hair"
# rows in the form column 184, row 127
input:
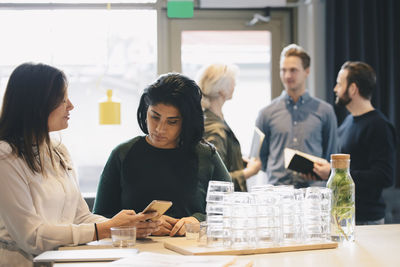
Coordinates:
column 183, row 93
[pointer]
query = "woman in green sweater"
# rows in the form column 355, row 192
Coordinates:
column 217, row 83
column 171, row 162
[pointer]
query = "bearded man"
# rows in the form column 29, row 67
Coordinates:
column 369, row 138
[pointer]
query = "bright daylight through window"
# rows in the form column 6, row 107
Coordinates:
column 98, row 50
column 251, row 52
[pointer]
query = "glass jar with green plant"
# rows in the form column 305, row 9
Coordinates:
column 343, row 199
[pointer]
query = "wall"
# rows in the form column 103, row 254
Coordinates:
column 311, row 36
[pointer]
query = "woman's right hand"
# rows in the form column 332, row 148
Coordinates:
column 144, row 226
column 167, row 223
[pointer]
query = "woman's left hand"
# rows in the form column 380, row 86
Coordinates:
column 179, row 229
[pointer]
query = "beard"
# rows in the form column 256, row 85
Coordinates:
column 343, row 100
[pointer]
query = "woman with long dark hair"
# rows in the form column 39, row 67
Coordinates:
column 41, row 207
column 171, row 162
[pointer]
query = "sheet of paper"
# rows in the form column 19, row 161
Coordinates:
column 288, row 155
column 85, row 255
column 166, row 260
column 258, row 138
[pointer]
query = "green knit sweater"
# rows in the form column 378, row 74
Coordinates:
column 137, row 173
column 218, row 132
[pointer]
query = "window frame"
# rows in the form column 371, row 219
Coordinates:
column 169, row 41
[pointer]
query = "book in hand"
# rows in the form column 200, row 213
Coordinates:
column 301, row 162
column 256, row 142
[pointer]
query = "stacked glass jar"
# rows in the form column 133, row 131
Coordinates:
column 291, row 213
column 267, row 216
column 269, row 219
column 240, row 220
column 216, row 197
column 317, row 207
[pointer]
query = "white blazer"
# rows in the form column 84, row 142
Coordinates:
column 39, row 213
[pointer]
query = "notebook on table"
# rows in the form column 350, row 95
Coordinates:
column 85, row 255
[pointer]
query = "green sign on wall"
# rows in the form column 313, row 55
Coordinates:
column 180, row 8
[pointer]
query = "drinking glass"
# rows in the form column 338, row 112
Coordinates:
column 192, row 231
column 243, row 220
column 313, row 215
column 268, row 218
column 289, row 230
column 217, row 195
column 123, row 236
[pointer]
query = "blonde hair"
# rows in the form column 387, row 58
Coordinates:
column 215, row 78
column 294, row 50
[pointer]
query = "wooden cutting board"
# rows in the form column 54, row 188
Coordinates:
column 192, row 247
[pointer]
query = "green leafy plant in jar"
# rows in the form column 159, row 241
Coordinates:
column 343, row 199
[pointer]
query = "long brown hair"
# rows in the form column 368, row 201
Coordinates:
column 33, row 92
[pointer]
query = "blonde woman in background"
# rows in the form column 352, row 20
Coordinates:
column 217, row 83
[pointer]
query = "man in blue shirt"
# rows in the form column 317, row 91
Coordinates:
column 295, row 120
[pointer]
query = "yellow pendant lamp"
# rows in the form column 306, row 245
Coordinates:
column 109, row 110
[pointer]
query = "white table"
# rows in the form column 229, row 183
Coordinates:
column 375, row 246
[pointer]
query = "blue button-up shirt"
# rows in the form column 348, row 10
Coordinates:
column 309, row 125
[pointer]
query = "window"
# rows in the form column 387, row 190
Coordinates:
column 98, row 50
column 251, row 52
column 80, row 1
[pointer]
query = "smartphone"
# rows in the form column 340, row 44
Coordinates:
column 161, row 206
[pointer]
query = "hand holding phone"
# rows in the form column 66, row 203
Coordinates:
column 160, row 206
